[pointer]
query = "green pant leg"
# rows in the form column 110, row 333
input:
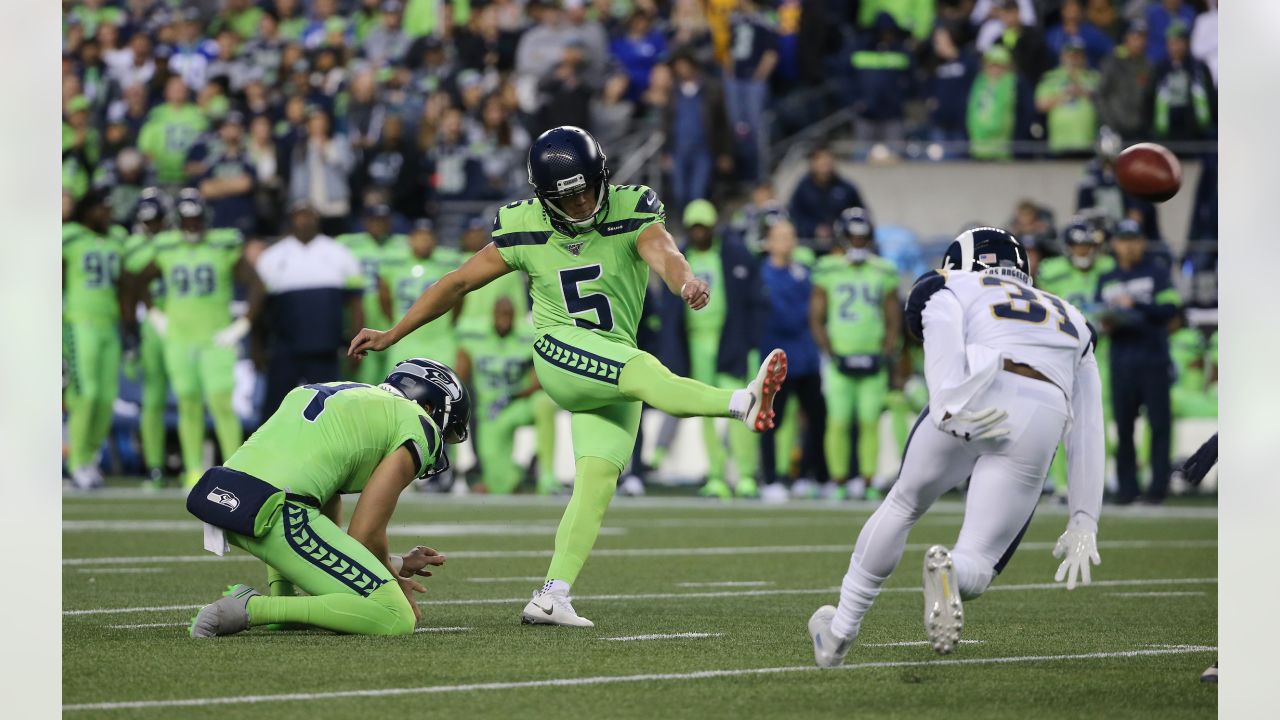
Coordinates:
column 842, row 395
column 182, row 361
column 602, row 444
column 350, row 590
column 898, row 412
column 785, row 437
column 702, row 368
column 107, row 341
column 872, row 394
column 544, row 427
column 155, row 395
column 81, row 350
column 217, row 382
column 497, row 442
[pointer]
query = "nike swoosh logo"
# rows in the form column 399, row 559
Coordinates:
column 547, row 610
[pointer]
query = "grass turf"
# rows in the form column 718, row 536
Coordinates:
column 794, row 555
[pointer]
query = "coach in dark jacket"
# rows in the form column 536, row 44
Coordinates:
column 820, row 198
column 697, row 131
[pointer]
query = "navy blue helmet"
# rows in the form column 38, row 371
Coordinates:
column 853, row 222
column 985, row 248
column 151, row 206
column 1081, row 232
column 439, row 390
column 564, row 162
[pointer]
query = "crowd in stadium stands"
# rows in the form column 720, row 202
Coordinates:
column 349, row 128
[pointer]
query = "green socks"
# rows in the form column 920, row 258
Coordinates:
column 644, row 378
column 593, row 487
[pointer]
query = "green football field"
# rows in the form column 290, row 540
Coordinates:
column 700, row 611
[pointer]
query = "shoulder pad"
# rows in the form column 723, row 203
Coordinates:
column 923, row 289
column 71, row 232
column 226, row 238
column 646, row 200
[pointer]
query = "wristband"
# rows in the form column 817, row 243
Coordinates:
column 397, row 563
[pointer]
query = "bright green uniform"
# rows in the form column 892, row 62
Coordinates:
column 167, row 136
column 324, row 440
column 90, row 335
column 408, row 277
column 500, row 369
column 588, row 290
column 140, row 251
column 704, row 328
column 374, row 256
column 1191, row 395
column 198, row 278
column 1079, row 287
column 856, row 328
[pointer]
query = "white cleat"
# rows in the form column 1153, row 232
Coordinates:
column 631, row 486
column 943, row 613
column 552, row 608
column 774, row 494
column 828, row 650
column 83, row 478
column 759, row 414
column 227, row 615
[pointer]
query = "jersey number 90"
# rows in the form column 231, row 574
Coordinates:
column 575, row 302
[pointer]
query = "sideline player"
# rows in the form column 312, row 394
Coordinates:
column 587, row 247
column 375, row 248
column 151, row 219
column 326, row 440
column 1010, row 372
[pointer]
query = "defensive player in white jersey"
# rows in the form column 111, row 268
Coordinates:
column 1011, row 372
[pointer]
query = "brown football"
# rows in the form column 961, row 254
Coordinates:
column 1149, row 171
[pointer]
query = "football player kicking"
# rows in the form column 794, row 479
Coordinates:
column 587, row 248
column 286, row 483
column 1010, row 371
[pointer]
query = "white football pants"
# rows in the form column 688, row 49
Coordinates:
column 1006, row 478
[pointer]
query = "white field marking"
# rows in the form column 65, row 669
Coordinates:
column 727, row 583
column 715, row 594
column 522, row 578
column 414, row 529
column 441, row 629
column 1155, row 594
column 662, row 636
column 650, row 552
column 909, row 643
column 147, row 625
column 613, row 679
column 122, row 571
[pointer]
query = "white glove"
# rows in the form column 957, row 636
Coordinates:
column 976, row 425
column 232, row 334
column 1080, row 547
column 158, row 320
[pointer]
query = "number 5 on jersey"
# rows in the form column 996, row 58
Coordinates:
column 576, row 302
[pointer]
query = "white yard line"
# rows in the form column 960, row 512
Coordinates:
column 663, row 636
column 699, row 595
column 141, row 626
column 520, row 578
column 1155, row 594
column 433, row 530
column 645, row 552
column 727, row 583
column 121, row 571
column 441, row 629
column 614, row 679
column 910, row 643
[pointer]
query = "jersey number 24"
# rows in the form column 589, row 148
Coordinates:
column 1033, row 311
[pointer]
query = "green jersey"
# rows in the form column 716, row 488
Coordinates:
column 476, row 318
column 373, row 257
column 855, row 302
column 167, row 136
column 198, row 277
column 595, row 280
column 91, row 266
column 139, row 252
column 1078, row 287
column 327, row 438
column 409, row 276
column 1187, row 349
column 499, row 364
column 709, row 268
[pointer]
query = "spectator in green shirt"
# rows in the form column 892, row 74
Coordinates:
column 1066, row 95
column 171, row 129
column 993, row 102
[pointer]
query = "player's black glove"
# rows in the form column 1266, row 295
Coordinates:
column 1198, row 465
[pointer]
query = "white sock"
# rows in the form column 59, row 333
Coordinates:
column 555, row 586
column 857, row 591
column 740, row 402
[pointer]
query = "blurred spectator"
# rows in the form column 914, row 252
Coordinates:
column 1097, row 45
column 265, row 48
column 1124, row 90
column 539, row 52
column 483, row 45
column 788, row 287
column 261, row 153
column 323, row 24
column 292, row 19
column 637, row 51
column 1012, row 25
column 752, row 221
column 133, row 65
column 1102, row 15
column 230, row 64
column 238, row 16
column 386, row 42
column 951, row 79
column 1204, row 39
column 690, row 32
column 590, row 35
column 89, row 14
column 1099, row 194
column 915, row 17
column 312, row 282
column 820, row 197
column 123, row 177
column 881, row 84
column 458, row 173
column 365, row 114
column 565, row 96
column 611, row 112
column 1066, row 94
column 170, row 131
column 1185, row 98
column 992, row 110
column 320, row 164
column 192, row 52
column 1031, row 223
column 392, row 168
column 1162, row 15
column 434, row 17
column 130, row 111
column 229, row 182
column 754, row 57
column 79, row 136
column 93, row 74
column 502, row 147
column 697, row 132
